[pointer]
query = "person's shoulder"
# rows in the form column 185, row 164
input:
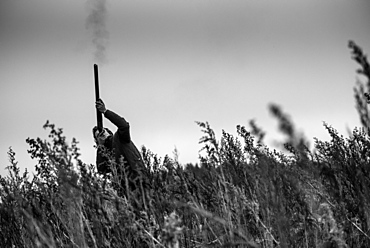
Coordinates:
column 121, row 137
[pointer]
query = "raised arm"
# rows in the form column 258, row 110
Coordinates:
column 120, row 122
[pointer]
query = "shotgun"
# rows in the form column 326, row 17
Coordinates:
column 99, row 116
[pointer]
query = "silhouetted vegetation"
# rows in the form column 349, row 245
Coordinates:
column 242, row 194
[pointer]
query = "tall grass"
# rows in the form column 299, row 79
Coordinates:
column 242, row 194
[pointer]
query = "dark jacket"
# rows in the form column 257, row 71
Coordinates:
column 121, row 145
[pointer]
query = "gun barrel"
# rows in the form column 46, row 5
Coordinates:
column 99, row 116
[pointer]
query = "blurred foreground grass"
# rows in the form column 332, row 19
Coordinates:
column 242, row 194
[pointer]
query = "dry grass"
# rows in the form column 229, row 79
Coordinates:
column 242, row 194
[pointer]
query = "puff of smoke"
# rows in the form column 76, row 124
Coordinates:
column 96, row 24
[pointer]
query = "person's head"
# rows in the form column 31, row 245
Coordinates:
column 101, row 137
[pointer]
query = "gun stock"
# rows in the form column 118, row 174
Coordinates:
column 99, row 116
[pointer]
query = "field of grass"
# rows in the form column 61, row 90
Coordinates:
column 242, row 193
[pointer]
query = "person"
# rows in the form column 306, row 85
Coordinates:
column 119, row 147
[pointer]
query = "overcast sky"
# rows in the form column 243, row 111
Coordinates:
column 167, row 64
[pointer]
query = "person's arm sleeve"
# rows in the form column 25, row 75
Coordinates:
column 122, row 125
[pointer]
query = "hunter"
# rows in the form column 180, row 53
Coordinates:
column 119, row 148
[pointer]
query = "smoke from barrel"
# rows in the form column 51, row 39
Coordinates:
column 96, row 24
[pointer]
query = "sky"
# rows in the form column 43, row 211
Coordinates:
column 165, row 64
